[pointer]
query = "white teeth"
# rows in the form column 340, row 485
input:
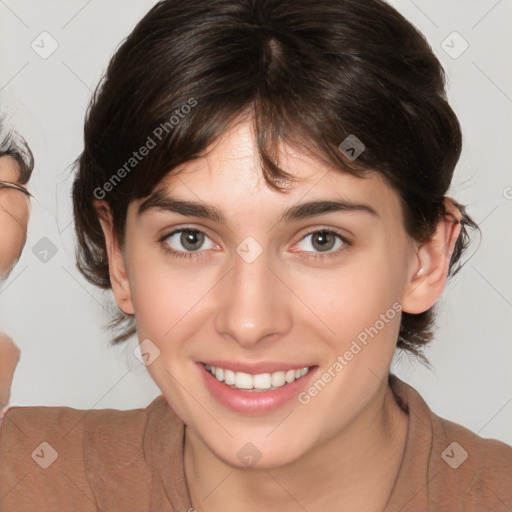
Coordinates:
column 219, row 374
column 261, row 381
column 243, row 380
column 278, row 379
column 229, row 377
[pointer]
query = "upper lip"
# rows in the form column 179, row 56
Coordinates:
column 256, row 368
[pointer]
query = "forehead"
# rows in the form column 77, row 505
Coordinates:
column 230, row 175
column 9, row 169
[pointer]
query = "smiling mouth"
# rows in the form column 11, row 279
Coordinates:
column 259, row 382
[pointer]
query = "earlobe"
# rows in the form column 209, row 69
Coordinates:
column 116, row 264
column 432, row 263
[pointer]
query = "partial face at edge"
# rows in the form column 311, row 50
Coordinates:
column 302, row 302
column 14, row 217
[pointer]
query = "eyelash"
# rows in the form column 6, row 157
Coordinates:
column 315, row 256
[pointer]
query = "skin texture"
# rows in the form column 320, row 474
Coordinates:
column 14, row 216
column 283, row 306
column 9, row 357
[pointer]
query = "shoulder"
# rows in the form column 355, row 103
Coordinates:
column 484, row 465
column 60, row 424
column 447, row 465
column 51, row 455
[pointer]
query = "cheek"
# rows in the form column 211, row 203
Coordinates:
column 165, row 294
column 158, row 302
column 358, row 301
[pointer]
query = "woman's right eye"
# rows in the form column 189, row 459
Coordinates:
column 190, row 240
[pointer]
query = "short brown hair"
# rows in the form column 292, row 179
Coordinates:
column 310, row 72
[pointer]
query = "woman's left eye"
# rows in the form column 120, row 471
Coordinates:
column 323, row 241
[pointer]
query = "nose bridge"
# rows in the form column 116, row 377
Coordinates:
column 251, row 305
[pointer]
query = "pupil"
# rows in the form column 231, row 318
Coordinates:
column 190, row 239
column 324, row 238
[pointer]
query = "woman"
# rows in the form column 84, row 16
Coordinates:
column 16, row 165
column 263, row 187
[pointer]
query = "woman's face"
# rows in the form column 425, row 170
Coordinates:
column 14, row 216
column 253, row 291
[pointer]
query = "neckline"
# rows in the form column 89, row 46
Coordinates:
column 164, row 444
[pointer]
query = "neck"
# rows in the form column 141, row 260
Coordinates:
column 365, row 455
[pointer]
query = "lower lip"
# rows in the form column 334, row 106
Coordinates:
column 255, row 402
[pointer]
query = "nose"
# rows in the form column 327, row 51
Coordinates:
column 253, row 303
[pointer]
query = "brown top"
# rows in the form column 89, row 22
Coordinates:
column 58, row 458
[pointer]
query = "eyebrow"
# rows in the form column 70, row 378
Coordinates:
column 160, row 201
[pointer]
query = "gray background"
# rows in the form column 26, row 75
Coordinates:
column 57, row 318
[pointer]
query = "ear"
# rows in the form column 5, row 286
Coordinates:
column 116, row 262
column 430, row 272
